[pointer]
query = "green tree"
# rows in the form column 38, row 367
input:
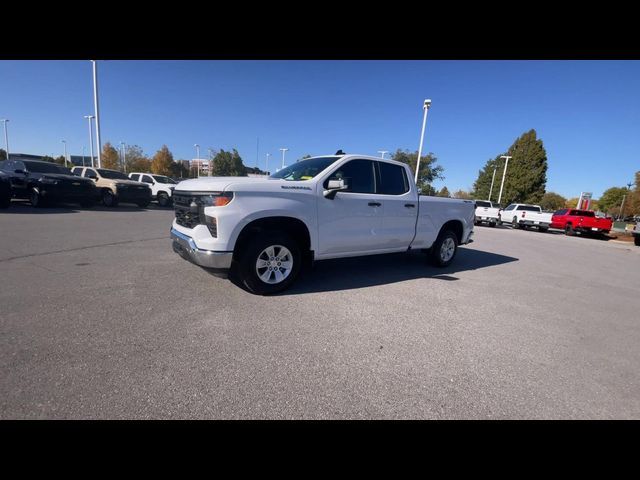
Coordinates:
column 179, row 170
column 228, row 164
column 463, row 194
column 47, row 158
column 611, row 200
column 59, row 160
column 444, row 193
column 429, row 171
column 110, row 158
column 161, row 162
column 552, row 201
column 526, row 173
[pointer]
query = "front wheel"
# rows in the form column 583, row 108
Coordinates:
column 143, row 204
column 36, row 199
column 270, row 263
column 636, row 240
column 444, row 249
column 543, row 229
column 163, row 199
column 514, row 223
column 568, row 230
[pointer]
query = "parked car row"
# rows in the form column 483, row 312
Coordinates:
column 520, row 215
column 46, row 183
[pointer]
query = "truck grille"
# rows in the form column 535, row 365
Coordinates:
column 189, row 209
column 186, row 218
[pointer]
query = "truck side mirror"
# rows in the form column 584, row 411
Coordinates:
column 333, row 187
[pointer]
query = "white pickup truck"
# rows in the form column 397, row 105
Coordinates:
column 315, row 209
column 486, row 212
column 161, row 187
column 521, row 215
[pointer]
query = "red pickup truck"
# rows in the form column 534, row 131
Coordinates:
column 583, row 221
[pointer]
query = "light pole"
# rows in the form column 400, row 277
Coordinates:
column 97, row 114
column 197, row 157
column 6, row 137
column 382, row 152
column 504, row 174
column 124, row 157
column 210, row 161
column 283, row 150
column 425, row 107
column 492, row 179
column 267, row 167
column 64, row 142
column 90, row 117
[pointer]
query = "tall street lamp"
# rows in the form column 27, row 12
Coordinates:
column 64, row 142
column 504, row 174
column 124, row 157
column 492, row 179
column 283, row 150
column 382, row 152
column 97, row 112
column 425, row 107
column 90, row 117
column 6, row 137
column 210, row 160
column 197, row 157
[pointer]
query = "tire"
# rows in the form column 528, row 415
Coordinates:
column 492, row 224
column 543, row 229
column 36, row 199
column 568, row 230
column 444, row 249
column 163, row 199
column 143, row 204
column 514, row 223
column 257, row 249
column 636, row 240
column 109, row 199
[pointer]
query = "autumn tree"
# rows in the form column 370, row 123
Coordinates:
column 110, row 157
column 552, row 201
column 228, row 164
column 429, row 171
column 136, row 160
column 463, row 194
column 161, row 162
column 526, row 176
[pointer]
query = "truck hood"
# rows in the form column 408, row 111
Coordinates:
column 219, row 184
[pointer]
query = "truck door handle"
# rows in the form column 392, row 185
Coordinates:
column 375, row 204
column 409, row 205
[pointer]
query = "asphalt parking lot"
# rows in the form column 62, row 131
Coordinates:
column 100, row 319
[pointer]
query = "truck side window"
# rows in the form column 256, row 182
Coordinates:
column 358, row 174
column 147, row 179
column 90, row 173
column 135, row 176
column 392, row 179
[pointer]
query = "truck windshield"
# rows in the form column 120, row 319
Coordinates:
column 305, row 169
column 112, row 174
column 482, row 203
column 163, row 179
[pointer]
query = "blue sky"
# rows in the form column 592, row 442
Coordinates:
column 586, row 112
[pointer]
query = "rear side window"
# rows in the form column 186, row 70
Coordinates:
column 135, row 176
column 392, row 179
column 561, row 212
column 528, row 208
column 147, row 179
column 481, row 203
column 582, row 213
column 510, row 207
column 89, row 173
column 358, row 174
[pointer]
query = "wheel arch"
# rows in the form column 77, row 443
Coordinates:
column 290, row 225
column 456, row 227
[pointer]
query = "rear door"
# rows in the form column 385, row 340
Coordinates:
column 400, row 205
column 351, row 222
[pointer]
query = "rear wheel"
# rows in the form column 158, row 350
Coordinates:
column 143, row 203
column 543, row 229
column 492, row 224
column 270, row 263
column 109, row 199
column 514, row 223
column 444, row 249
column 568, row 230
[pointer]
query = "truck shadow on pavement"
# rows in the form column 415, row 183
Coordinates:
column 373, row 270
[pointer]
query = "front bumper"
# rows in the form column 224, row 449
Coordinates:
column 184, row 246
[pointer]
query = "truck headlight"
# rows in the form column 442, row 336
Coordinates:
column 219, row 200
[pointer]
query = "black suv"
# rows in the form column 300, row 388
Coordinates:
column 45, row 183
column 5, row 190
